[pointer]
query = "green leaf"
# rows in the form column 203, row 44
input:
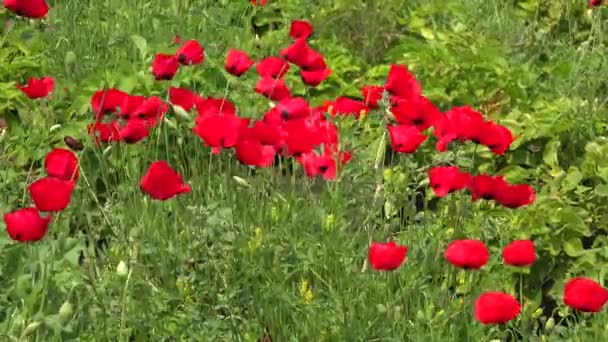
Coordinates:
column 573, row 247
column 573, row 178
column 550, row 153
column 601, row 190
column 141, row 44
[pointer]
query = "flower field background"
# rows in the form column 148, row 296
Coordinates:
column 295, row 170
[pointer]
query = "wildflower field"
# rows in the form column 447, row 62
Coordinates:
column 303, row 170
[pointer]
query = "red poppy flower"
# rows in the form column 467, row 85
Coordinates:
column 498, row 138
column 151, row 111
column 297, row 53
column 259, row 2
column 161, row 182
column 37, row 88
column 190, row 53
column 461, row 123
column 134, row 131
column 514, row 196
column 238, row 62
column 386, row 256
column 496, row 308
column 252, row 152
column 447, row 179
column 274, row 67
column 585, row 295
column 61, row 163
column 293, row 108
column 274, row 89
column 34, row 9
column 467, row 254
column 314, row 78
column 519, row 253
column 26, row 224
column 130, row 105
column 164, row 66
column 314, row 61
column 418, row 111
column 214, row 106
column 315, row 165
column 219, row 131
column 595, row 3
column 269, row 134
column 302, row 137
column 104, row 132
column 371, row 95
column 107, row 101
column 300, row 29
column 182, row 97
column 51, row 194
column 345, row 106
column 484, row 186
column 401, row 83
column 405, row 139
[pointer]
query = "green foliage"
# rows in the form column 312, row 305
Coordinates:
column 244, row 250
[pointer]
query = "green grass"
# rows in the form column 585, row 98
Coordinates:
column 282, row 251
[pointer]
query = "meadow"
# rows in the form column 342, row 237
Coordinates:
column 303, row 170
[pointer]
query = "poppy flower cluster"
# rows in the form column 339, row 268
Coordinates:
column 120, row 116
column 33, row 9
column 38, row 88
column 447, row 179
column 50, row 194
column 165, row 66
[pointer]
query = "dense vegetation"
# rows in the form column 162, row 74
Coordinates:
column 273, row 251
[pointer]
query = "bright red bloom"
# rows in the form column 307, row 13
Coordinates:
column 269, row 134
column 107, row 101
column 371, row 95
column 595, row 3
column 274, row 67
column 51, row 194
column 219, row 131
column 467, row 254
column 34, row 9
column 238, row 62
column 297, row 53
column 104, row 132
column 585, row 295
column 300, row 29
column 401, row 83
column 274, row 89
column 161, row 182
column 314, row 78
column 190, row 53
column 519, row 253
column 496, row 308
column 151, row 111
column 405, row 139
column 447, row 179
column 498, row 138
column 302, row 137
column 37, row 88
column 26, row 224
column 259, row 2
column 386, row 256
column 345, row 106
column 293, row 108
column 315, row 165
column 513, row 196
column 417, row 111
column 61, row 163
column 134, row 131
column 182, row 97
column 252, row 152
column 461, row 123
column 484, row 186
column 164, row 67
column 213, row 106
column 130, row 105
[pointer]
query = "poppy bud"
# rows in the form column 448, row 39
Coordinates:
column 73, row 143
column 31, row 328
column 122, row 270
column 65, row 311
